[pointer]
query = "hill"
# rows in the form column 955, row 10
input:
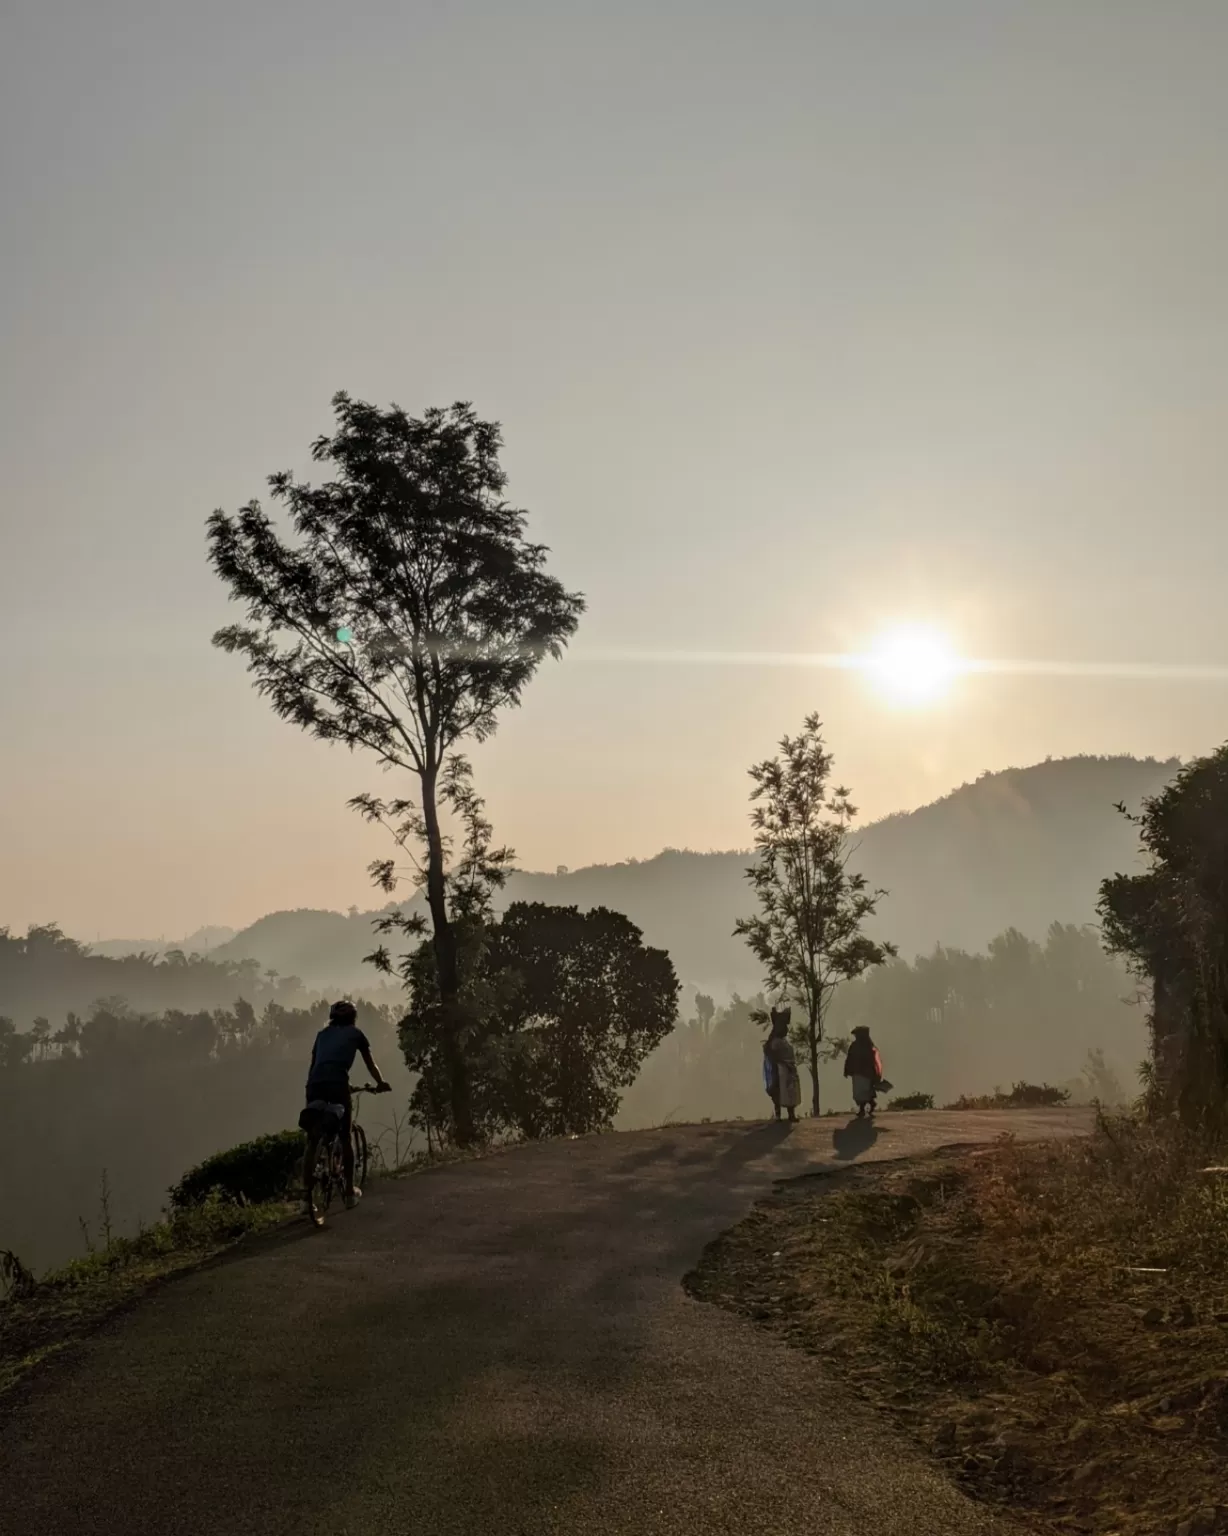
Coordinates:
column 1021, row 848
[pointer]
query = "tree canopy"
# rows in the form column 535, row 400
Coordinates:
column 571, row 1004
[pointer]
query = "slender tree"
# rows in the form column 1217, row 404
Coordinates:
column 807, row 933
column 409, row 610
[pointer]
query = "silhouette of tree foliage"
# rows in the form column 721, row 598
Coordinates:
column 411, row 610
column 808, row 932
column 1171, row 922
column 567, row 1004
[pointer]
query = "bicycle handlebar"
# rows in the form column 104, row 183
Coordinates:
column 371, row 1088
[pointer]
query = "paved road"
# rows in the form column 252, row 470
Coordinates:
column 501, row 1346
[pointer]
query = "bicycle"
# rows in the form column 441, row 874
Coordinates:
column 328, row 1176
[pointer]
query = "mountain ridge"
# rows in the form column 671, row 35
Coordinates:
column 1020, row 847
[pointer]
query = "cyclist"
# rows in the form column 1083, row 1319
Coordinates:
column 329, row 1105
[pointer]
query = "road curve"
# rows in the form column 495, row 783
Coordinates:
column 498, row 1346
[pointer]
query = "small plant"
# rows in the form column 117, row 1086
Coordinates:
column 912, row 1101
column 254, row 1171
column 104, row 1210
column 17, row 1280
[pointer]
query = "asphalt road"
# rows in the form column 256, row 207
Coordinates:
column 500, row 1346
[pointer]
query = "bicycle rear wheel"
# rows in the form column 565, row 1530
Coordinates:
column 326, row 1182
column 361, row 1157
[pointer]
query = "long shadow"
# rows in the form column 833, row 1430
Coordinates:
column 853, row 1139
column 754, row 1144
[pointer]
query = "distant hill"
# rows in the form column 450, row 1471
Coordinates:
column 202, row 942
column 1020, row 848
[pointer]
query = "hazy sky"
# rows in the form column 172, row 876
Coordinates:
column 801, row 318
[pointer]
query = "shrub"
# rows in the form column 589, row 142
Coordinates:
column 1021, row 1096
column 254, row 1171
column 913, row 1101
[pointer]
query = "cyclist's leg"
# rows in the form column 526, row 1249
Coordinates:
column 309, row 1165
column 347, row 1147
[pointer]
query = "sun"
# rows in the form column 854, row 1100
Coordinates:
column 913, row 663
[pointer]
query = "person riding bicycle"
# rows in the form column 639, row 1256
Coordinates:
column 329, row 1105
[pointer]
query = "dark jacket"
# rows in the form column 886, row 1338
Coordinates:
column 863, row 1059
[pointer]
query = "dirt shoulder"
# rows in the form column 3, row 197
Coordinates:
column 1049, row 1321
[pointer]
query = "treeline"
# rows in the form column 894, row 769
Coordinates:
column 143, row 1098
column 949, row 1023
column 48, row 975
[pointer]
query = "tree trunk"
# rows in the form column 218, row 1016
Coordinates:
column 813, row 1033
column 446, row 970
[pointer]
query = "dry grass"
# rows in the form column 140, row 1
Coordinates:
column 1050, row 1320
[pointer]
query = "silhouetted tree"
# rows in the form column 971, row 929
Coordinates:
column 571, row 1004
column 807, row 932
column 1171, row 922
column 411, row 610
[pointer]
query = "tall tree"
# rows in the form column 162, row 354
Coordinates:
column 807, row 933
column 409, row 611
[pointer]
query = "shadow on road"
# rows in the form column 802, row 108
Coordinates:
column 853, row 1139
column 754, row 1144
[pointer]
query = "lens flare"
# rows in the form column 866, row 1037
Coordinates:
column 912, row 663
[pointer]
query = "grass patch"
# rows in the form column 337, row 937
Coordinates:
column 1050, row 1320
column 41, row 1318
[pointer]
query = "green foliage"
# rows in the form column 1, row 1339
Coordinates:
column 807, row 933
column 255, row 1171
column 1172, row 924
column 562, row 1007
column 912, row 1101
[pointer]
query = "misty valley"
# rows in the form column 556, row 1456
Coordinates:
column 137, row 1067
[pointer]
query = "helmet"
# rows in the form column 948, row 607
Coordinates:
column 342, row 1013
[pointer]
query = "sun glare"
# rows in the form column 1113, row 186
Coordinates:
column 913, row 664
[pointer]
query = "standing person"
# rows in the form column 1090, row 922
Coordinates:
column 328, row 1093
column 784, row 1086
column 865, row 1066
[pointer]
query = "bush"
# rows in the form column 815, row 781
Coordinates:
column 1021, row 1096
column 913, row 1101
column 254, row 1171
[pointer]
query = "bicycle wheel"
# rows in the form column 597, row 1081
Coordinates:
column 326, row 1182
column 361, row 1157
